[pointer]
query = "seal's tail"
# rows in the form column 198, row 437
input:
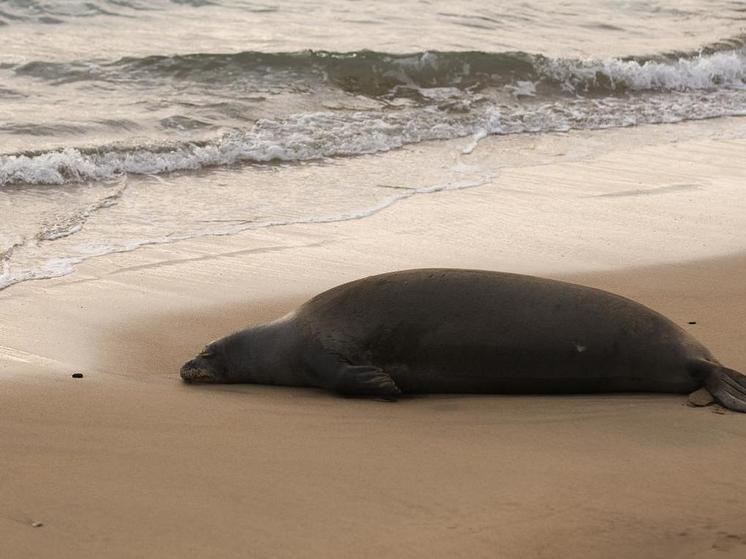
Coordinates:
column 728, row 387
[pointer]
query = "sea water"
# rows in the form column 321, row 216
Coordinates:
column 126, row 123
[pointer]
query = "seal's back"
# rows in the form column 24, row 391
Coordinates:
column 445, row 330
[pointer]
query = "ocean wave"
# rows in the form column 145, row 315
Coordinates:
column 704, row 71
column 56, row 12
column 298, row 138
column 317, row 135
column 371, row 73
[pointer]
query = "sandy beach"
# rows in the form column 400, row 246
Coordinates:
column 130, row 462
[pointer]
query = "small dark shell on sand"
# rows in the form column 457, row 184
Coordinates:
column 37, row 524
column 77, row 375
column 692, row 322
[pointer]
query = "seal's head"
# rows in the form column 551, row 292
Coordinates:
column 208, row 366
column 256, row 355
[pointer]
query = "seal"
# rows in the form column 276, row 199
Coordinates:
column 469, row 331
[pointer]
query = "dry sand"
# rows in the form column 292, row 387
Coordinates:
column 130, row 462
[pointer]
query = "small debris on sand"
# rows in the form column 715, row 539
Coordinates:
column 77, row 375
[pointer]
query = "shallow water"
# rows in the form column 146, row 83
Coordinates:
column 125, row 123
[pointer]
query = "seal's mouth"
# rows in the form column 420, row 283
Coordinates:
column 194, row 371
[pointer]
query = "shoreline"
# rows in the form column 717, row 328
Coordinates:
column 620, row 197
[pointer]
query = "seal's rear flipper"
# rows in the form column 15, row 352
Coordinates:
column 728, row 387
column 364, row 380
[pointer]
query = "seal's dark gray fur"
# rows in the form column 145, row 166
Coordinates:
column 469, row 331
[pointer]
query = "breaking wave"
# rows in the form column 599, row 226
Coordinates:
column 412, row 98
column 377, row 74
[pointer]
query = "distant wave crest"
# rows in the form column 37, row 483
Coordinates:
column 376, row 74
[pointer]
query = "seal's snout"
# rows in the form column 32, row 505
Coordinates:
column 197, row 370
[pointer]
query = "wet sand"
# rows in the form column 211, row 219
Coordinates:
column 130, row 462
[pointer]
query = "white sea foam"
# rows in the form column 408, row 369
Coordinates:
column 522, row 88
column 299, row 138
column 721, row 69
column 317, row 135
column 62, row 266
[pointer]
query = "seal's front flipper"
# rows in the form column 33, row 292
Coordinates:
column 365, row 380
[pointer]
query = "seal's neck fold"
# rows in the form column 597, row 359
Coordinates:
column 264, row 354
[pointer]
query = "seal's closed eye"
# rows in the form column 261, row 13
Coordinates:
column 207, row 353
